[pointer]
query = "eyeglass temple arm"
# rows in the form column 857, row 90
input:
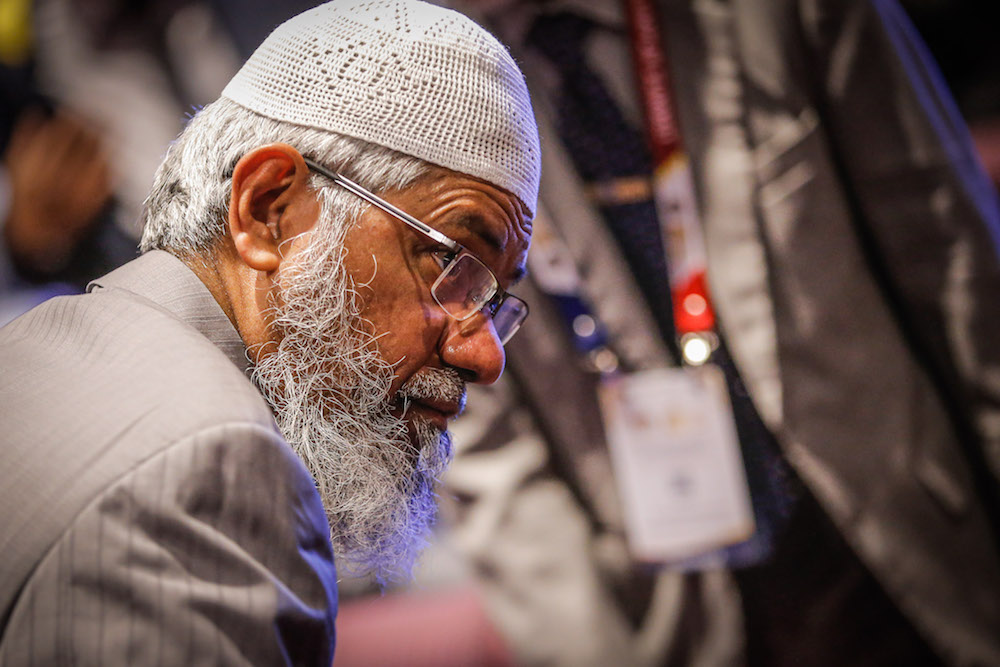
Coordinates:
column 378, row 202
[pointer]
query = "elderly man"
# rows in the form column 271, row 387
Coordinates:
column 335, row 235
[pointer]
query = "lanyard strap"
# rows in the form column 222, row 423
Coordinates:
column 694, row 317
column 554, row 271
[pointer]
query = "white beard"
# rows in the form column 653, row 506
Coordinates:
column 329, row 390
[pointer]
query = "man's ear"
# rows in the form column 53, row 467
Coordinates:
column 271, row 203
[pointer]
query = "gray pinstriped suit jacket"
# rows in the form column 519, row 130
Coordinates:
column 150, row 513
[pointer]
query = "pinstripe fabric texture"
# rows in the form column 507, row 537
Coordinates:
column 151, row 512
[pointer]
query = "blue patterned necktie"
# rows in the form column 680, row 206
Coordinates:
column 605, row 148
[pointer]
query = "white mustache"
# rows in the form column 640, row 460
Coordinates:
column 434, row 385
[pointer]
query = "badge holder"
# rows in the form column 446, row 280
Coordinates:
column 677, row 462
column 671, row 431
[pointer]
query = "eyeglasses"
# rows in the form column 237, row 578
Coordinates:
column 466, row 285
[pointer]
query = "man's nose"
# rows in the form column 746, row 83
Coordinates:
column 473, row 348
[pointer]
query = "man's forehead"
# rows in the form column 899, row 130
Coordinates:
column 496, row 236
column 498, row 227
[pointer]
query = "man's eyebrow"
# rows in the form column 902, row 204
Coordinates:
column 477, row 225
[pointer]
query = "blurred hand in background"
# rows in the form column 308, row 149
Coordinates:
column 59, row 181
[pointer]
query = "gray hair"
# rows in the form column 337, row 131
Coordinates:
column 187, row 209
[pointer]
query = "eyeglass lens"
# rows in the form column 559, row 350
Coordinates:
column 464, row 289
column 508, row 318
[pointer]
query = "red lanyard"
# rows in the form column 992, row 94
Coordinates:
column 672, row 183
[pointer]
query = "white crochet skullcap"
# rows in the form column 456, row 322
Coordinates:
column 406, row 75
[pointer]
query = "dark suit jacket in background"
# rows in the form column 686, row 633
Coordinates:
column 852, row 244
column 151, row 512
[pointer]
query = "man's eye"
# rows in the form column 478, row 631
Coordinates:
column 443, row 257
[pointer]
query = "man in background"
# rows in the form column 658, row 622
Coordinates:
column 852, row 254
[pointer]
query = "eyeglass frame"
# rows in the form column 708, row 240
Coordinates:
column 491, row 305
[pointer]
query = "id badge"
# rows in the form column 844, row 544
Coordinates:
column 677, row 462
